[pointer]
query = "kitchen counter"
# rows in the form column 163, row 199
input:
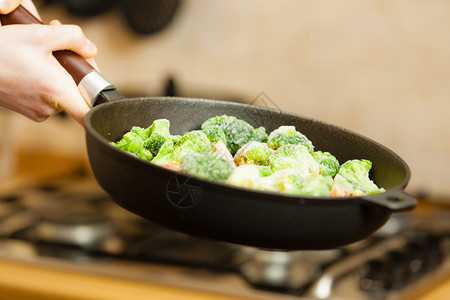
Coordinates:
column 25, row 281
column 22, row 280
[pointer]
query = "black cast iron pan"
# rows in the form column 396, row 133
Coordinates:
column 219, row 211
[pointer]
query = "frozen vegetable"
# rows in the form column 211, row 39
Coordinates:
column 356, row 172
column 328, row 164
column 230, row 150
column 288, row 135
column 253, row 153
column 206, row 165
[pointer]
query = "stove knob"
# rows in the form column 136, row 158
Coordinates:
column 414, row 251
column 374, row 277
column 396, row 270
column 433, row 252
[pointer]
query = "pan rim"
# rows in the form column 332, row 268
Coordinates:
column 266, row 194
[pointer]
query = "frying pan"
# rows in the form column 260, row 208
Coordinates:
column 220, row 211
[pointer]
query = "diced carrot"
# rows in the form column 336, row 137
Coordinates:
column 357, row 193
column 338, row 192
column 173, row 165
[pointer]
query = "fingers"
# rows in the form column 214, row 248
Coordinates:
column 55, row 22
column 91, row 60
column 67, row 37
column 7, row 6
column 67, row 97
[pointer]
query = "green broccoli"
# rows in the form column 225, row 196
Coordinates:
column 125, row 140
column 165, row 153
column 246, row 176
column 191, row 141
column 356, row 172
column 294, row 157
column 133, row 143
column 215, row 134
column 319, row 186
column 288, row 135
column 341, row 187
column 143, row 133
column 264, row 171
column 261, row 135
column 158, row 134
column 176, row 139
column 286, row 181
column 328, row 164
column 206, row 165
column 237, row 132
column 175, row 146
column 253, row 153
column 283, row 161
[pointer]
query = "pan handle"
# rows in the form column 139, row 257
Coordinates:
column 395, row 200
column 90, row 82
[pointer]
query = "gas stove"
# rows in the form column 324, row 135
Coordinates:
column 71, row 223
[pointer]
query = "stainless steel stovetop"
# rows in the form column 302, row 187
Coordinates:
column 70, row 223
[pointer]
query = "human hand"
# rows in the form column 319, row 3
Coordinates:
column 7, row 6
column 33, row 82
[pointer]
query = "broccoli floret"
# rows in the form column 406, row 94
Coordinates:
column 294, row 157
column 261, row 135
column 341, row 187
column 175, row 147
column 176, row 139
column 237, row 132
column 215, row 134
column 356, row 172
column 165, row 153
column 143, row 133
column 206, row 165
column 288, row 135
column 145, row 154
column 328, row 164
column 158, row 134
column 133, row 143
column 246, row 176
column 253, row 153
column 192, row 141
column 154, row 143
column 264, row 171
column 286, row 181
column 319, row 186
column 125, row 140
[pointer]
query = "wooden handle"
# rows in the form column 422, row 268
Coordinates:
column 77, row 66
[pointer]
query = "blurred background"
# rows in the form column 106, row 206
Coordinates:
column 380, row 68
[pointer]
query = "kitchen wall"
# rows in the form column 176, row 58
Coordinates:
column 381, row 68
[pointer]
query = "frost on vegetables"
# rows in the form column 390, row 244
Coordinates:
column 230, row 150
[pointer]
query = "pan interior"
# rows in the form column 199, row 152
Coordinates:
column 111, row 120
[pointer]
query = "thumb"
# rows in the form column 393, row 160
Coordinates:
column 7, row 6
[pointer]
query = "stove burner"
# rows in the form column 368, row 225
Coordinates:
column 75, row 219
column 83, row 234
